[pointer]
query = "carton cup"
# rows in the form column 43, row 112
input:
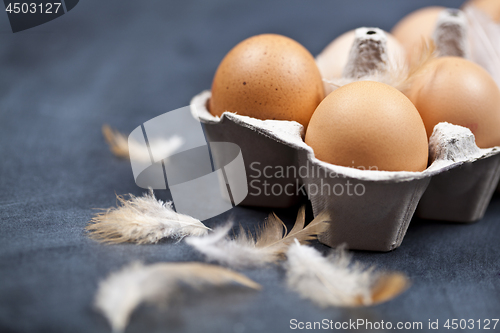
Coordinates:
column 463, row 193
column 266, row 151
column 369, row 210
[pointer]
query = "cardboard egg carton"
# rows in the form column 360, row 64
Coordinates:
column 369, row 209
column 463, row 195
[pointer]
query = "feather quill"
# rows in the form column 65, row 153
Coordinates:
column 143, row 220
column 121, row 146
column 121, row 292
column 269, row 245
column 337, row 281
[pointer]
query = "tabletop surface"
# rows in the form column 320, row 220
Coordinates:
column 123, row 63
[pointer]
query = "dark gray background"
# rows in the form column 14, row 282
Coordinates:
column 122, row 63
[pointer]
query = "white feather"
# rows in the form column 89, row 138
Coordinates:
column 484, row 36
column 121, row 292
column 337, row 281
column 162, row 147
column 216, row 246
column 267, row 246
column 143, row 220
column 124, row 147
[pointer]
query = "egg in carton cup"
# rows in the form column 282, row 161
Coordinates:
column 463, row 194
column 484, row 36
column 369, row 209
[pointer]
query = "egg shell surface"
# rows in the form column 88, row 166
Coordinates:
column 268, row 77
column 370, row 126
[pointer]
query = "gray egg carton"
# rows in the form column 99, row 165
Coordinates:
column 369, row 209
column 457, row 186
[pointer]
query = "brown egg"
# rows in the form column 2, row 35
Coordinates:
column 490, row 7
column 416, row 27
column 268, row 77
column 369, row 125
column 332, row 60
column 455, row 90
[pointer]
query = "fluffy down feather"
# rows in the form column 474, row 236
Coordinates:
column 121, row 292
column 268, row 246
column 143, row 220
column 337, row 281
column 121, row 146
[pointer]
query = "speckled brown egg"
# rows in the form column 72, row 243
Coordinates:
column 455, row 90
column 268, row 77
column 415, row 28
column 369, row 125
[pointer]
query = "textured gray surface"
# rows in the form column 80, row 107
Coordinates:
column 122, row 63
